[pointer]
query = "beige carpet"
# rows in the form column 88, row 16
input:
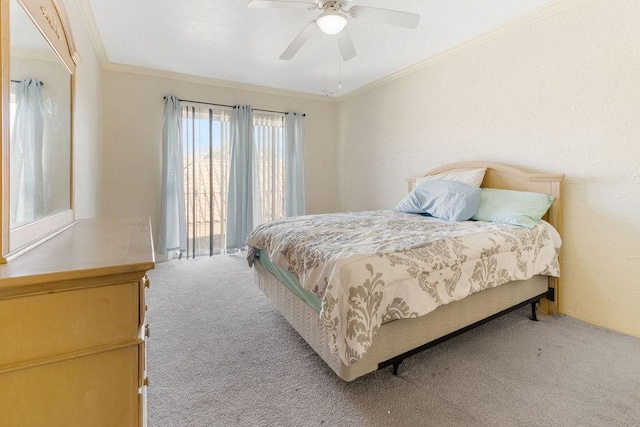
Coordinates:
column 220, row 355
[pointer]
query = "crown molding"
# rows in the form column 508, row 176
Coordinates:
column 510, row 27
column 92, row 28
column 190, row 78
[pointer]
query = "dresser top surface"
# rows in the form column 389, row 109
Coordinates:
column 90, row 248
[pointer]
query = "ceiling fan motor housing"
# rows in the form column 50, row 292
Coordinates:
column 332, row 5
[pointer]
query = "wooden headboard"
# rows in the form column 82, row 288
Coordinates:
column 508, row 177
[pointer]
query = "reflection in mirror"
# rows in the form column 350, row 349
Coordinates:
column 40, row 108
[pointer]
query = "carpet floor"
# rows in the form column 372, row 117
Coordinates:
column 220, row 355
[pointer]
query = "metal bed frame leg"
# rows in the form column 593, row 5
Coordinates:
column 396, row 365
column 534, row 316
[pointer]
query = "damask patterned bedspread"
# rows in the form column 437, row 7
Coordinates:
column 369, row 268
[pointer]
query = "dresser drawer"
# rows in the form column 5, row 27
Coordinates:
column 40, row 326
column 96, row 390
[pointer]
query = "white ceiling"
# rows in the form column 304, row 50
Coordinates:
column 223, row 39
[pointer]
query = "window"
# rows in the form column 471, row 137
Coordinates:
column 206, row 135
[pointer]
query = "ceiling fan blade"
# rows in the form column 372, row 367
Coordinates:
column 301, row 4
column 347, row 50
column 386, row 16
column 300, row 40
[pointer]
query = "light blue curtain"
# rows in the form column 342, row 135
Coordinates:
column 294, row 164
column 243, row 203
column 27, row 184
column 172, row 233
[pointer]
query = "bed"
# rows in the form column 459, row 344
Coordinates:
column 394, row 337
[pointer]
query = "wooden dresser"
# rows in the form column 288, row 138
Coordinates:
column 72, row 328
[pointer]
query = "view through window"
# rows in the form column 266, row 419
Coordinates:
column 206, row 136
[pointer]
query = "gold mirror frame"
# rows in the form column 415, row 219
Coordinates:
column 50, row 18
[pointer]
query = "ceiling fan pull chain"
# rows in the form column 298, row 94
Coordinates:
column 339, row 71
column 325, row 58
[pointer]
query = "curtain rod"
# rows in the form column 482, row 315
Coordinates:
column 20, row 81
column 231, row 106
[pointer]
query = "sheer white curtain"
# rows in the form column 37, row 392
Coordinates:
column 268, row 130
column 27, row 184
column 294, row 164
column 172, row 233
column 243, row 203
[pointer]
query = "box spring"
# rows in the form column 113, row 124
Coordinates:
column 400, row 336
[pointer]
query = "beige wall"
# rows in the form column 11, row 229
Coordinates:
column 87, row 136
column 559, row 95
column 133, row 106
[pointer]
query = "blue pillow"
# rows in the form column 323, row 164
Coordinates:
column 448, row 200
column 512, row 207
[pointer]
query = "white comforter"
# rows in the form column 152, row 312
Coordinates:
column 369, row 268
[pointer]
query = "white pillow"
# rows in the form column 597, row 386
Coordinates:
column 471, row 177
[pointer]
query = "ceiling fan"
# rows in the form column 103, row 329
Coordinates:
column 333, row 20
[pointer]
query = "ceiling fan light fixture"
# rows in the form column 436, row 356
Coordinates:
column 331, row 22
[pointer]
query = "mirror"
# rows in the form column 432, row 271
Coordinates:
column 37, row 117
column 39, row 128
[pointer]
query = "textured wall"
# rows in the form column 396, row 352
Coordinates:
column 133, row 107
column 560, row 95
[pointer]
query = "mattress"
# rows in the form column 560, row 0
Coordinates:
column 289, row 280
